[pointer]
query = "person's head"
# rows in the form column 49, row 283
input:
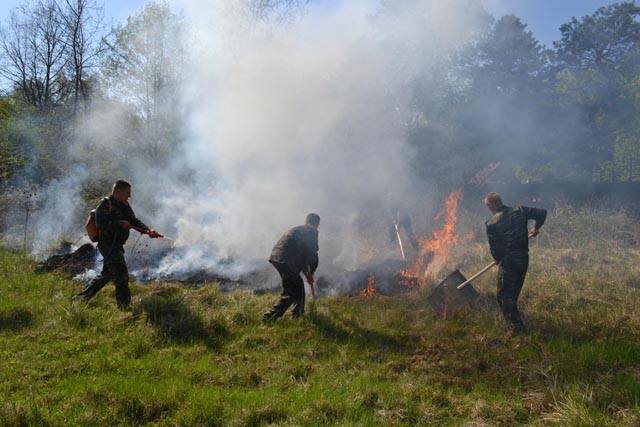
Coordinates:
column 121, row 190
column 313, row 220
column 493, row 201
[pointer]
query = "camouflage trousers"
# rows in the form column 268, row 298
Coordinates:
column 513, row 269
column 114, row 269
column 292, row 294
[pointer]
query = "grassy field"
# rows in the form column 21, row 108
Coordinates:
column 201, row 357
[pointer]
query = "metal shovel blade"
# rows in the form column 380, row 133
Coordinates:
column 446, row 299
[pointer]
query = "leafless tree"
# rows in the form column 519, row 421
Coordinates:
column 83, row 24
column 280, row 10
column 33, row 48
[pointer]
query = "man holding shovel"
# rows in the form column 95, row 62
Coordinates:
column 114, row 218
column 296, row 252
column 509, row 245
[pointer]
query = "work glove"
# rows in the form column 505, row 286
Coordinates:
column 154, row 234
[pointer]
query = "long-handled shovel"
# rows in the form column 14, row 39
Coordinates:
column 447, row 298
column 455, row 292
column 475, row 276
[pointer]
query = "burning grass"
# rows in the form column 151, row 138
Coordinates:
column 422, row 267
column 436, row 249
column 351, row 360
column 370, row 289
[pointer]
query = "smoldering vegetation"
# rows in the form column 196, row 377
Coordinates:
column 233, row 121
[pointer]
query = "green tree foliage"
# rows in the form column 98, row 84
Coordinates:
column 497, row 116
column 143, row 67
column 437, row 89
column 571, row 113
column 32, row 145
column 506, row 105
column 10, row 157
column 499, row 97
column 48, row 51
column 597, row 63
column 606, row 39
column 510, row 59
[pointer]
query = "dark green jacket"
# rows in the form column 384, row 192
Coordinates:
column 108, row 213
column 298, row 248
column 507, row 230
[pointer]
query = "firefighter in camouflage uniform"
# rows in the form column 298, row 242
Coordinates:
column 114, row 219
column 509, row 244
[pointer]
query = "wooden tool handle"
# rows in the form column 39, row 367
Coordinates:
column 481, row 272
column 475, row 276
column 404, row 258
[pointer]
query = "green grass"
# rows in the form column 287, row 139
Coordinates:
column 202, row 357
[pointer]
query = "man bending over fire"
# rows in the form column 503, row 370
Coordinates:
column 509, row 244
column 114, row 218
column 295, row 252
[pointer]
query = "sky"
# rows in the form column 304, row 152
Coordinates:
column 543, row 17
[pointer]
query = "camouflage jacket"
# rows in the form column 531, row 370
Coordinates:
column 507, row 230
column 298, row 248
column 108, row 213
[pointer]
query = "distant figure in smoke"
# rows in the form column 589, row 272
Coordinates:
column 509, row 244
column 401, row 221
column 114, row 218
column 295, row 252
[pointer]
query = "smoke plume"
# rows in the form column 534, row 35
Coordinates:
column 283, row 118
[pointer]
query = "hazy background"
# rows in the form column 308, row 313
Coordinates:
column 234, row 121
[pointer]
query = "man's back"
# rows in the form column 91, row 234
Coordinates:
column 509, row 244
column 298, row 248
column 507, row 229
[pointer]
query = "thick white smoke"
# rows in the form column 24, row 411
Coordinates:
column 284, row 118
column 307, row 116
column 40, row 219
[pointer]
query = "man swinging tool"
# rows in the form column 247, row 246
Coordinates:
column 509, row 245
column 295, row 252
column 114, row 218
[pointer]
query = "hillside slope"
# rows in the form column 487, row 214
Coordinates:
column 201, row 357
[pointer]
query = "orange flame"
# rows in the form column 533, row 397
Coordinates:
column 370, row 290
column 435, row 250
